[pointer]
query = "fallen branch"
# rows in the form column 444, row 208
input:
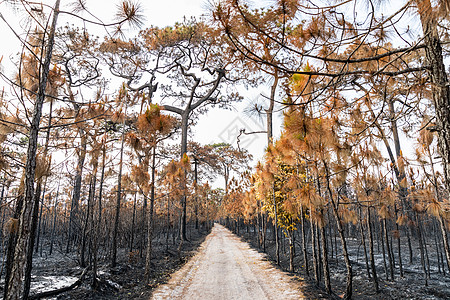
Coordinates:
column 60, row 290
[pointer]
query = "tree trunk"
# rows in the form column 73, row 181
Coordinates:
column 12, row 241
column 2, row 215
column 291, row 251
column 399, row 170
column 269, row 110
column 314, row 253
column 388, row 249
column 439, row 217
column 55, row 214
column 275, row 226
column 371, row 252
column 363, row 240
column 168, row 223
column 196, row 191
column 410, row 251
column 319, row 251
column 348, row 265
column 444, row 240
column 119, row 198
column 325, row 266
column 384, row 252
column 74, row 225
column 148, row 255
column 98, row 223
column 422, row 253
column 258, row 225
column 38, row 232
column 305, row 253
column 439, row 84
column 184, row 132
column 426, row 256
column 88, row 226
column 133, row 219
column 17, row 283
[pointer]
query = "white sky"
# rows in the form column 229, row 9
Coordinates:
column 218, row 125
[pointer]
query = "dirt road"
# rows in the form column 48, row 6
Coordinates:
column 227, row 268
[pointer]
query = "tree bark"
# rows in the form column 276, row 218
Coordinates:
column 275, row 226
column 118, row 201
column 363, row 241
column 98, row 222
column 348, row 265
column 133, row 222
column 305, row 253
column 325, row 266
column 371, row 252
column 184, row 132
column 439, row 85
column 388, row 249
column 74, row 225
column 55, row 214
column 148, row 255
column 422, row 253
column 16, row 285
column 314, row 253
column 269, row 110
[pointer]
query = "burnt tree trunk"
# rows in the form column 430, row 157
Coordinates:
column 371, row 252
column 148, row 255
column 440, row 91
column 349, row 278
column 74, row 225
column 17, row 283
column 98, row 222
column 118, row 201
column 325, row 266
column 304, row 250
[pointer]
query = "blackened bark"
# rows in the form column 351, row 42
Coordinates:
column 184, row 132
column 440, row 94
column 291, row 250
column 148, row 256
column 12, row 240
column 363, row 238
column 371, row 252
column 305, row 253
column 275, row 226
column 118, row 201
column 16, row 285
column 314, row 253
column 133, row 222
column 388, row 249
column 348, row 265
column 55, row 214
column 74, row 224
column 325, row 266
column 95, row 242
column 422, row 253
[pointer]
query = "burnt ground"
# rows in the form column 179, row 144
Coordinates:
column 125, row 281
column 411, row 286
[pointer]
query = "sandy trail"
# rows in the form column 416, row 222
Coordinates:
column 227, row 268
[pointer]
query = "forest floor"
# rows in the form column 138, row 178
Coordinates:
column 227, row 268
column 410, row 286
column 125, row 281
